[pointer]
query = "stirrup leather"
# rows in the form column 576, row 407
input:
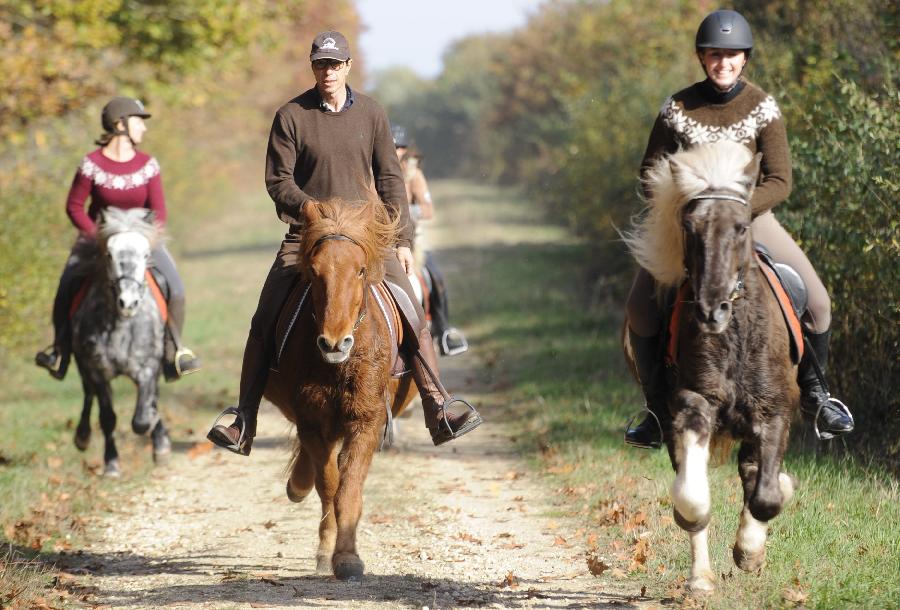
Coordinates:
column 654, row 444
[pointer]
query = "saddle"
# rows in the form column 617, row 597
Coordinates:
column 788, row 288
column 155, row 282
column 298, row 300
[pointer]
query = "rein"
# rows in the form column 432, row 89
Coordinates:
column 363, row 310
column 738, row 290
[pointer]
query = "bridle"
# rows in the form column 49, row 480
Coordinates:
column 364, row 308
column 738, row 290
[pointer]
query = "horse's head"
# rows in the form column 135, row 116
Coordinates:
column 126, row 239
column 698, row 226
column 342, row 253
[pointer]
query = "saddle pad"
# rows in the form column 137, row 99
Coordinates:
column 787, row 309
column 293, row 306
column 151, row 283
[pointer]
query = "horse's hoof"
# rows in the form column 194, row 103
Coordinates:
column 347, row 567
column 701, row 585
column 292, row 495
column 82, row 441
column 162, row 451
column 748, row 562
column 142, row 426
column 111, row 469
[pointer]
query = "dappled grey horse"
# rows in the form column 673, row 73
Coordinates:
column 118, row 329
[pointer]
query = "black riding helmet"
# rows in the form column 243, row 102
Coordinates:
column 119, row 109
column 724, row 30
column 400, row 138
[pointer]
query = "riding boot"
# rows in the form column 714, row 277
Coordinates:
column 238, row 437
column 653, row 429
column 442, row 424
column 831, row 416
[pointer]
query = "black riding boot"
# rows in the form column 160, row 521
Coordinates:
column 650, row 433
column 238, row 437
column 831, row 416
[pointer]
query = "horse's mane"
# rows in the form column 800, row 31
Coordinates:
column 656, row 240
column 367, row 222
column 117, row 220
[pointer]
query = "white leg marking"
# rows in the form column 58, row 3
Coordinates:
column 751, row 534
column 690, row 491
column 787, row 487
column 702, row 576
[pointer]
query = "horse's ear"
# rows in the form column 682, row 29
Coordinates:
column 311, row 212
column 752, row 168
column 150, row 217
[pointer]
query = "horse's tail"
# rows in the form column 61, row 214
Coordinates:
column 720, row 448
column 628, row 352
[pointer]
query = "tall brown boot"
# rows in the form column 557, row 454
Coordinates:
column 238, row 437
column 442, row 424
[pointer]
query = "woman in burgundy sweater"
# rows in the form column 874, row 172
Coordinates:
column 725, row 106
column 117, row 175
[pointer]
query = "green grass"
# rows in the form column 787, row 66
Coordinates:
column 549, row 333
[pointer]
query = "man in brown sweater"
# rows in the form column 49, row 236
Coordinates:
column 331, row 141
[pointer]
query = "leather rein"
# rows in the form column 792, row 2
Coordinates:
column 364, row 308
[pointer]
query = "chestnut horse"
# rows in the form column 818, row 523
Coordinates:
column 334, row 373
column 734, row 378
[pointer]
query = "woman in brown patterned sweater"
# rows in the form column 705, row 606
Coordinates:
column 727, row 107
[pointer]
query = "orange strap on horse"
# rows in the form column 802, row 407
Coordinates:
column 787, row 308
column 157, row 296
column 680, row 298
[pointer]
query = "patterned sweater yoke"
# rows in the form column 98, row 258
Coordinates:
column 752, row 118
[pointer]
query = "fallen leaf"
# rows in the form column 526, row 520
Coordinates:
column 269, row 524
column 509, row 580
column 596, row 566
column 795, row 596
column 54, row 461
column 199, row 449
column 560, row 541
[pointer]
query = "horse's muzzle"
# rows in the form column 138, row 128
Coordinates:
column 713, row 319
column 335, row 354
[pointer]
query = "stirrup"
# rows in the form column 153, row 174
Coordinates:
column 654, row 444
column 449, row 433
column 446, row 350
column 184, row 351
column 824, row 435
column 217, row 440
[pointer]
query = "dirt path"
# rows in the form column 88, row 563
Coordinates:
column 464, row 525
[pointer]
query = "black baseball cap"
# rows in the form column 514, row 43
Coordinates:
column 330, row 45
column 120, row 108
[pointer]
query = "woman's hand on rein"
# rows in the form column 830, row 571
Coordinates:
column 404, row 255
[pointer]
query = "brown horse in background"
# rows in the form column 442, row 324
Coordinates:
column 734, row 378
column 334, row 373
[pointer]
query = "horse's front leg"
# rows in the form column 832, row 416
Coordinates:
column 83, row 430
column 146, row 415
column 108, row 425
column 692, row 429
column 354, row 461
column 322, row 454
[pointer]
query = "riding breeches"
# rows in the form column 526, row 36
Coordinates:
column 645, row 314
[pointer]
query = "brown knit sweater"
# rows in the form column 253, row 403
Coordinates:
column 318, row 154
column 696, row 115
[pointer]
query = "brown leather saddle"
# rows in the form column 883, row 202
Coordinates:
column 299, row 304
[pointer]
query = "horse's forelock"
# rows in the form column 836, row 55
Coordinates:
column 137, row 220
column 367, row 223
column 656, row 240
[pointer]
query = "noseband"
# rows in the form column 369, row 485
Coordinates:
column 365, row 304
column 738, row 290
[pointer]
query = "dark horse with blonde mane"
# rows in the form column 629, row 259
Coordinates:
column 333, row 379
column 734, row 376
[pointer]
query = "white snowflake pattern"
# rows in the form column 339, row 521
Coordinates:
column 742, row 132
column 119, row 182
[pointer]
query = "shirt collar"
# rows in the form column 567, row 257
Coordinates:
column 347, row 103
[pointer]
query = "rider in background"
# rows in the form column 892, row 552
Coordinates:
column 725, row 106
column 331, row 141
column 117, row 175
column 421, row 208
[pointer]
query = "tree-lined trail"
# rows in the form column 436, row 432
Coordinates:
column 463, row 525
